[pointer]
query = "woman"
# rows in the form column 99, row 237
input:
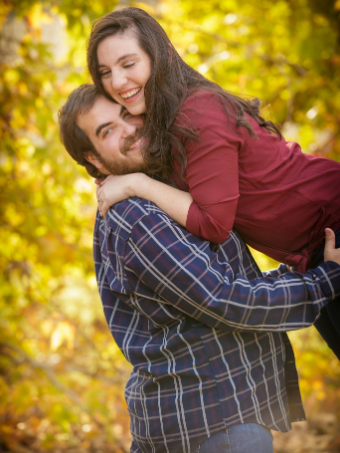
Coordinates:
column 229, row 166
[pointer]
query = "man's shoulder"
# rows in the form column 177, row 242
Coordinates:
column 111, row 235
column 126, row 214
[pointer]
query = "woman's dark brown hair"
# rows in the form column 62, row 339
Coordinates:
column 170, row 83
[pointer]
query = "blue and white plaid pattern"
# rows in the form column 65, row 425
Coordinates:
column 201, row 328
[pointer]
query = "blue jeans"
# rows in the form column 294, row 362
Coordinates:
column 247, row 438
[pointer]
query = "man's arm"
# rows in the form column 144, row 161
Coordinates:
column 275, row 273
column 185, row 273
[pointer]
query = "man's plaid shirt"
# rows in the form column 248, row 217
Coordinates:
column 202, row 327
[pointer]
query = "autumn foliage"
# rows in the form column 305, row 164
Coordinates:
column 61, row 375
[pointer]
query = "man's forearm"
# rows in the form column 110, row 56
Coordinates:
column 186, row 274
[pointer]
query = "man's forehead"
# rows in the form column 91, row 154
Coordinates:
column 103, row 106
column 102, row 111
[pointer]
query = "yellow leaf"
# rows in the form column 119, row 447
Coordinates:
column 63, row 333
column 317, row 385
column 11, row 76
column 37, row 16
column 321, row 395
column 47, row 327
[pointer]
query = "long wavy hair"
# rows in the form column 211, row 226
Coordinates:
column 170, row 83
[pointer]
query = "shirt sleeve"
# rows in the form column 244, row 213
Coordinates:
column 183, row 271
column 275, row 273
column 212, row 167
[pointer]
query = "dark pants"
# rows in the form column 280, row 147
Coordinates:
column 328, row 324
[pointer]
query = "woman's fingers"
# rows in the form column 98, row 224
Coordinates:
column 100, row 200
column 115, row 188
column 107, row 179
column 104, row 210
column 103, row 203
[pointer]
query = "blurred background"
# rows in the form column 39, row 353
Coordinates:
column 61, row 374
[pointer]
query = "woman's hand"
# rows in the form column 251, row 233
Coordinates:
column 114, row 188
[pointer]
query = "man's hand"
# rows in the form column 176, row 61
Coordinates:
column 331, row 253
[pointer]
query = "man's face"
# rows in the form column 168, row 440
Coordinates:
column 112, row 131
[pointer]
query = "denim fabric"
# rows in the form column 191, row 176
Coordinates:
column 328, row 323
column 247, row 438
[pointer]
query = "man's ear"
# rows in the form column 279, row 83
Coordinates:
column 93, row 159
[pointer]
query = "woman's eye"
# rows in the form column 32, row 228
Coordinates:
column 128, row 65
column 104, row 73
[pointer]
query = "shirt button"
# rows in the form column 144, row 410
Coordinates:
column 226, row 431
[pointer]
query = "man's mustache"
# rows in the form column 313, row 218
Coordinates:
column 130, row 140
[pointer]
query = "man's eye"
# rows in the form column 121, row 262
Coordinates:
column 107, row 132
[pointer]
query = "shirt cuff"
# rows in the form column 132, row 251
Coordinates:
column 203, row 225
column 329, row 275
column 192, row 223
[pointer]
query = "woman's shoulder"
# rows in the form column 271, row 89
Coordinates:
column 201, row 98
column 202, row 105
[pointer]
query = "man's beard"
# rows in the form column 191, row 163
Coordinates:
column 123, row 168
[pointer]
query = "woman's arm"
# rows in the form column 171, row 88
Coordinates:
column 212, row 170
column 209, row 210
column 173, row 202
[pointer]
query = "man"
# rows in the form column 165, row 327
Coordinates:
column 202, row 327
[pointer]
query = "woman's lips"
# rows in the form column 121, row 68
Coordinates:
column 130, row 95
column 136, row 144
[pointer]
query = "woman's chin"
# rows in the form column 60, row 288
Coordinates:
column 136, row 109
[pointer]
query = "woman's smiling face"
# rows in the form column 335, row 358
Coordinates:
column 124, row 69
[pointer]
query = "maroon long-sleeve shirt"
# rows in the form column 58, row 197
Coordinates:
column 277, row 197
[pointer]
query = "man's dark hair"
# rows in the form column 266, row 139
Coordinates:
column 72, row 136
column 170, row 83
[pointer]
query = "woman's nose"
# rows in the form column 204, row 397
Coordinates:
column 118, row 80
column 129, row 129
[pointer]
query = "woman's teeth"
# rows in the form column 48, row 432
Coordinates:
column 131, row 93
column 136, row 143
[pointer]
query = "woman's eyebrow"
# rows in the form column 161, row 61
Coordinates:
column 127, row 55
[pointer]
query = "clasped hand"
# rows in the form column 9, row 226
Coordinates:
column 115, row 188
